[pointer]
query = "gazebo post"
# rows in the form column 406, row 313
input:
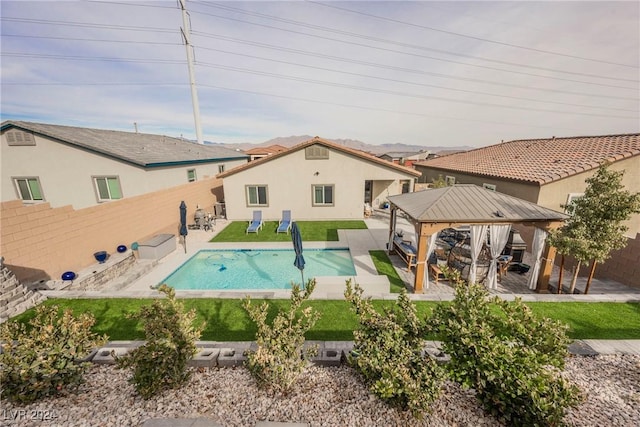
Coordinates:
column 392, row 227
column 545, row 272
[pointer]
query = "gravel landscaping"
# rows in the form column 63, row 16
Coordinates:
column 322, row 397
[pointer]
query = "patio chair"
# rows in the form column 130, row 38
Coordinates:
column 285, row 223
column 256, row 223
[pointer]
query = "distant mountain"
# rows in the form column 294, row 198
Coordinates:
column 290, row 141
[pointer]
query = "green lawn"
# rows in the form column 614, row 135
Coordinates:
column 311, row 231
column 226, row 320
column 383, row 266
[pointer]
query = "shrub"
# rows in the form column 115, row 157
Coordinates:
column 42, row 359
column 280, row 356
column 161, row 363
column 511, row 358
column 389, row 353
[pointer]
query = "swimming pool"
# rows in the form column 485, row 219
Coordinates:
column 256, row 269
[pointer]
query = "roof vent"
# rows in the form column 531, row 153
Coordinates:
column 499, row 214
column 19, row 137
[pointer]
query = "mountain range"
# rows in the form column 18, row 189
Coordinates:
column 290, row 141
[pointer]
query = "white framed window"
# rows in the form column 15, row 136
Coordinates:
column 572, row 197
column 450, row 180
column 191, row 175
column 323, row 195
column 29, row 189
column 107, row 188
column 220, row 168
column 491, row 187
column 257, row 195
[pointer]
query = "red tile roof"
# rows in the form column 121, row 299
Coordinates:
column 271, row 149
column 540, row 160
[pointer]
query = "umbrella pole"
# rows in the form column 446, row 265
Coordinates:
column 184, row 240
column 302, row 274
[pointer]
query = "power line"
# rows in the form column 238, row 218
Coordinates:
column 91, row 40
column 90, row 25
column 394, row 68
column 414, row 83
column 415, row 54
column 87, row 58
column 412, row 46
column 549, row 52
column 396, row 93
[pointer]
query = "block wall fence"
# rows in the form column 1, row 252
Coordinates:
column 39, row 242
column 623, row 265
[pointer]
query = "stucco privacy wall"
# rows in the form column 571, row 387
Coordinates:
column 40, row 242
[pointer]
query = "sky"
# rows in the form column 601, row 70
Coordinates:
column 422, row 73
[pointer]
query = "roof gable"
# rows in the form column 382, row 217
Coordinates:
column 467, row 203
column 142, row 149
column 329, row 144
column 540, row 160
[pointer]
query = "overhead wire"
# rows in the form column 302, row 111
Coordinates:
column 393, row 42
column 549, row 52
column 415, row 54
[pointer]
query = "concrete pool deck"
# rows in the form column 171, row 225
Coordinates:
column 359, row 242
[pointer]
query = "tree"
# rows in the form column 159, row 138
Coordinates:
column 438, row 183
column 595, row 227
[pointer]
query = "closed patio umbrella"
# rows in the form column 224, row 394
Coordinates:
column 296, row 238
column 183, row 224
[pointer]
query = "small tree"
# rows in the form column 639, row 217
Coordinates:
column 596, row 227
column 438, row 183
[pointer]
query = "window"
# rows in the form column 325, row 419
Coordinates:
column 323, row 195
column 450, row 180
column 489, row 186
column 191, row 175
column 220, row 168
column 316, row 152
column 29, row 189
column 108, row 188
column 257, row 195
column 571, row 197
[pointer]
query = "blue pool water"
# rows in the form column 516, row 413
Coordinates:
column 256, row 269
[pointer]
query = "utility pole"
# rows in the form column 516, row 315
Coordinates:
column 186, row 33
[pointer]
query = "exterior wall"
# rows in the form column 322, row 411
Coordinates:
column 66, row 172
column 554, row 194
column 528, row 192
column 41, row 242
column 290, row 178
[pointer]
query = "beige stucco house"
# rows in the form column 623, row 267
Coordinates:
column 84, row 167
column 550, row 172
column 317, row 179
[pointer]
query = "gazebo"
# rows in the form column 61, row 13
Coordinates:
column 433, row 210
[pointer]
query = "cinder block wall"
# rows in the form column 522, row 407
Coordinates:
column 40, row 242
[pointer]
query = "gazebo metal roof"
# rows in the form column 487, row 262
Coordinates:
column 468, row 203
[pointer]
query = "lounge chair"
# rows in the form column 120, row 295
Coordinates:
column 285, row 223
column 256, row 223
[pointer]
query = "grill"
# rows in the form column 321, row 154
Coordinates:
column 515, row 247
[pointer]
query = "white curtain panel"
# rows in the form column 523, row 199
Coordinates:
column 478, row 237
column 393, row 230
column 430, row 248
column 499, row 237
column 539, row 238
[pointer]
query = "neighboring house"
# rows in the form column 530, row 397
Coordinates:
column 549, row 172
column 317, row 179
column 405, row 158
column 260, row 152
column 82, row 167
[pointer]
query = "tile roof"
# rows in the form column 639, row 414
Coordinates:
column 147, row 150
column 326, row 143
column 271, row 149
column 540, row 160
column 468, row 203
